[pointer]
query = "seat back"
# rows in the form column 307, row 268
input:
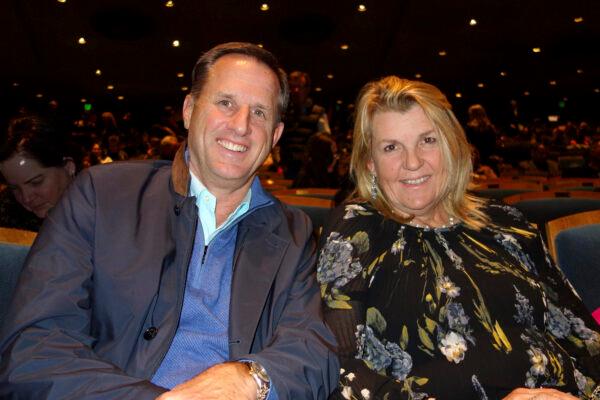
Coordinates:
column 321, row 193
column 12, row 258
column 557, row 225
column 578, row 252
column 317, row 209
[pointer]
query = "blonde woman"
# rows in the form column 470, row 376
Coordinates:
column 432, row 292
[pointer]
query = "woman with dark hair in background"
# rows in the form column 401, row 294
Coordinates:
column 37, row 164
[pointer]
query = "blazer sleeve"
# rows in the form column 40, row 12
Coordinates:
column 300, row 357
column 46, row 344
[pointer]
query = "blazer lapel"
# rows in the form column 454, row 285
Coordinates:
column 257, row 259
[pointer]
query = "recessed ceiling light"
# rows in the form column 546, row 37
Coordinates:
column 344, row 46
column 81, row 40
column 264, row 7
column 185, row 88
column 418, row 76
column 458, row 95
column 552, row 83
column 120, row 97
column 362, row 8
column 329, row 76
column 260, row 45
column 39, row 95
column 442, row 53
column 175, row 43
column 565, row 99
column 579, row 71
column 578, row 20
column 110, row 87
column 502, row 73
column 596, row 90
column 339, row 102
column 318, row 89
column 83, row 100
column 169, row 4
column 180, row 74
column 62, row 1
column 536, row 49
column 480, row 85
column 473, row 22
column 15, row 84
column 526, row 93
column 98, row 72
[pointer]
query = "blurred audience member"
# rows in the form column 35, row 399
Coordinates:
column 98, row 154
column 303, row 120
column 481, row 133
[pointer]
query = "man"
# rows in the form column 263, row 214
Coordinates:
column 192, row 278
column 303, row 120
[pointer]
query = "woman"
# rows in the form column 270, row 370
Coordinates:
column 37, row 165
column 481, row 133
column 432, row 292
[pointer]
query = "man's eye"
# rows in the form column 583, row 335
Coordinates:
column 225, row 103
column 260, row 113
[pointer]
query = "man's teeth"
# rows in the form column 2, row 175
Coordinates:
column 415, row 181
column 232, row 146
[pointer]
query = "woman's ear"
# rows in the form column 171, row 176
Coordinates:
column 371, row 166
column 69, row 166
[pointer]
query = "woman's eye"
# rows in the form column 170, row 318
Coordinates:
column 429, row 139
column 37, row 182
column 389, row 147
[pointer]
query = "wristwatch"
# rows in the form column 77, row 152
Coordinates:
column 259, row 374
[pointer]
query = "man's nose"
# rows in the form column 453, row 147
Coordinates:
column 240, row 121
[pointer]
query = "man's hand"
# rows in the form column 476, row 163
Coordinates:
column 538, row 394
column 225, row 381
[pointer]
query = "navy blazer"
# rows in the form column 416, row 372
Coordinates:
column 100, row 296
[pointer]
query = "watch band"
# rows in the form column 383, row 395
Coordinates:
column 260, row 376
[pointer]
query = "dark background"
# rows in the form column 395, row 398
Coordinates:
column 130, row 41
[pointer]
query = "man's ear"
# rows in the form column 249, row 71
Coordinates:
column 277, row 134
column 188, row 108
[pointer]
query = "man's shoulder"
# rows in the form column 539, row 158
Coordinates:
column 128, row 169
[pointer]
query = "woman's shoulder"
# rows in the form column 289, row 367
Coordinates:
column 353, row 213
column 506, row 216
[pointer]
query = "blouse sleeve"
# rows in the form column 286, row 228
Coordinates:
column 344, row 289
column 567, row 318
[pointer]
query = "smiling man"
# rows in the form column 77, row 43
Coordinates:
column 205, row 290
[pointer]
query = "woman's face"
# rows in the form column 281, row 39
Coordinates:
column 36, row 187
column 407, row 159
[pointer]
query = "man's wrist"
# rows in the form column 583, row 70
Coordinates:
column 261, row 378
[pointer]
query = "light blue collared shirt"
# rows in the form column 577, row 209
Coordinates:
column 207, row 205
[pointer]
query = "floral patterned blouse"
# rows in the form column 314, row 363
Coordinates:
column 451, row 313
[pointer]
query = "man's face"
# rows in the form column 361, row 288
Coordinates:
column 299, row 89
column 232, row 123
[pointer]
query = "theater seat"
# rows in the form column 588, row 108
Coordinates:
column 12, row 257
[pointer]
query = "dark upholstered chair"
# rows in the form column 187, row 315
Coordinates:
column 578, row 254
column 12, row 257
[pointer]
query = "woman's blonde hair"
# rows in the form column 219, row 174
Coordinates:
column 395, row 94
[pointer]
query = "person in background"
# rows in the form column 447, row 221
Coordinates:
column 303, row 120
column 183, row 280
column 37, row 163
column 481, row 133
column 432, row 292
